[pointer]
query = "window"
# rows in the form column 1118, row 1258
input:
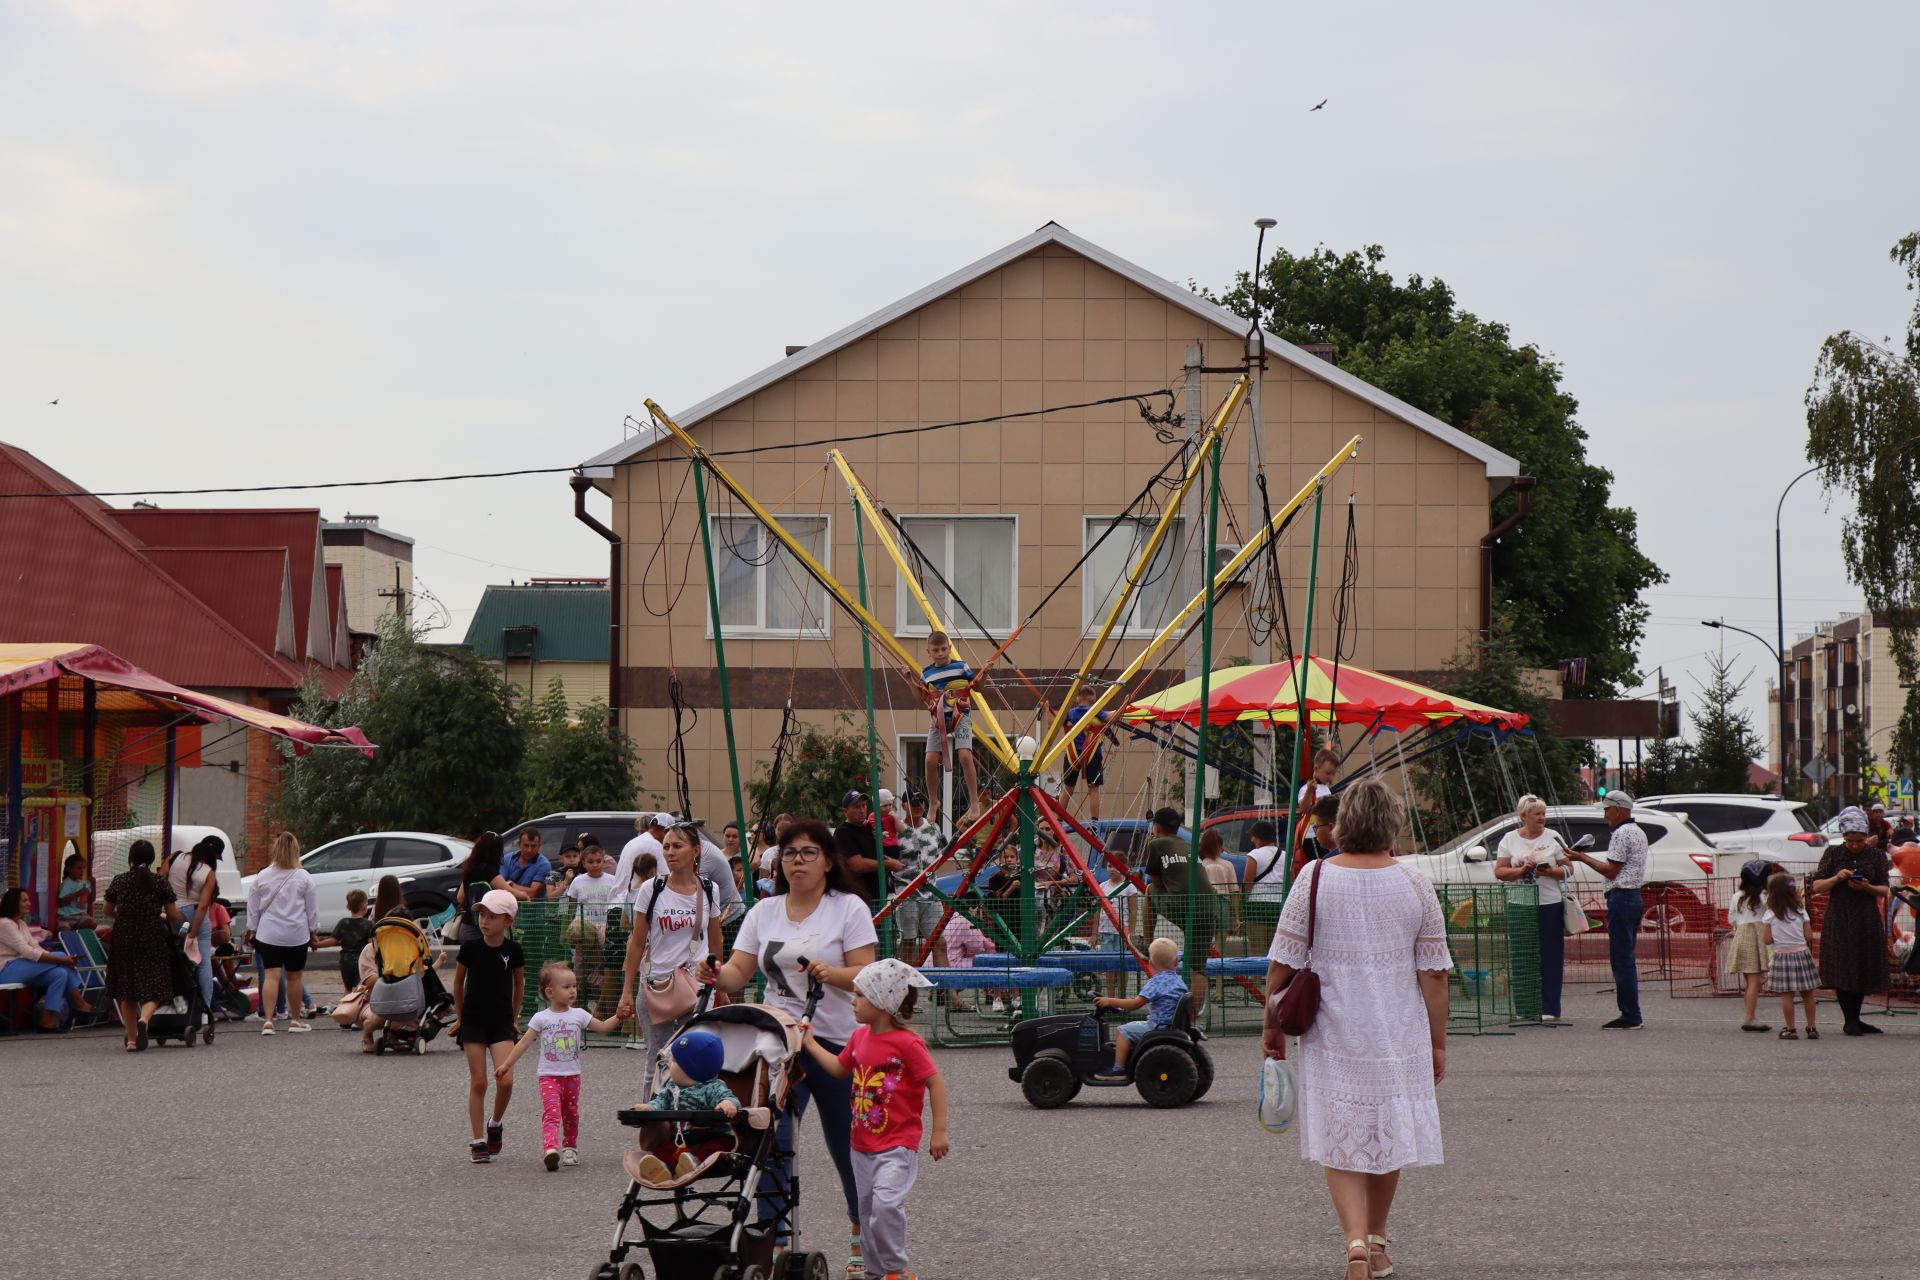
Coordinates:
column 401, row 851
column 763, row 589
column 1163, row 588
column 349, row 855
column 979, row 556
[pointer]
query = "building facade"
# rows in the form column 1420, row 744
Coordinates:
column 543, row 630
column 1031, row 520
column 376, row 568
column 1844, row 698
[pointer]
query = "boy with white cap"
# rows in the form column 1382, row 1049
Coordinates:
column 892, row 1073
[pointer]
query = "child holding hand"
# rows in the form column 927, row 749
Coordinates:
column 559, row 1028
column 892, row 1075
column 488, row 984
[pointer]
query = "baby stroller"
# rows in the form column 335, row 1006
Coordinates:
column 187, row 1015
column 407, row 993
column 714, row 1233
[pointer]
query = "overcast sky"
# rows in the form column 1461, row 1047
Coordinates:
column 249, row 244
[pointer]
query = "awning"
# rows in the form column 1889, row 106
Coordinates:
column 28, row 666
column 1268, row 694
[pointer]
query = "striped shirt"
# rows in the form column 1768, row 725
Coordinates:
column 948, row 675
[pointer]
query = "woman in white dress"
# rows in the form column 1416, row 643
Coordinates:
column 1531, row 854
column 1370, row 1061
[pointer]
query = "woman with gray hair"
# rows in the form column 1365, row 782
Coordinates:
column 1371, row 1058
column 1531, row 854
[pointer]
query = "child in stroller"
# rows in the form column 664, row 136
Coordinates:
column 716, row 1199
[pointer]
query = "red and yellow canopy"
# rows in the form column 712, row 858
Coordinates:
column 1267, row 694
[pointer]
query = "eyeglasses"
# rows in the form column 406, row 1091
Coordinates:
column 801, row 853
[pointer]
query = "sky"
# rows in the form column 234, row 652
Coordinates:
column 252, row 244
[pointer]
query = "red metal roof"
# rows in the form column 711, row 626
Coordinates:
column 73, row 573
column 337, row 611
column 295, row 528
column 248, row 586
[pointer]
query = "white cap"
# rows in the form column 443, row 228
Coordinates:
column 886, row 797
column 664, row 819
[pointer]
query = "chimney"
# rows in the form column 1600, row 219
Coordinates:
column 794, row 351
column 1322, row 349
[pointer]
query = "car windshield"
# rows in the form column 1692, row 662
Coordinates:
column 1805, row 820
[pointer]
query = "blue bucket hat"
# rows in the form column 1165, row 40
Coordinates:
column 700, row 1054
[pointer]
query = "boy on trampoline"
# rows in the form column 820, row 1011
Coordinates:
column 1084, row 759
column 950, row 735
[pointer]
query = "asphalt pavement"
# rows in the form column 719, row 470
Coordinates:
column 1688, row 1149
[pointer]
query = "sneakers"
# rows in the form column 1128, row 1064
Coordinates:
column 1621, row 1024
column 496, row 1138
column 551, row 1159
column 477, row 1152
column 569, row 1157
column 653, row 1169
column 685, row 1165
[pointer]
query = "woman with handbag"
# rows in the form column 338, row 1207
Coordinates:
column 676, row 922
column 1531, row 854
column 1370, row 1008
column 815, row 931
column 282, row 918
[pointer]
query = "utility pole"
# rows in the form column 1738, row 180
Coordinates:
column 398, row 595
column 1194, row 515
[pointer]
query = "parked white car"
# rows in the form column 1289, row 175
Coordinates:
column 1679, row 863
column 358, row 862
column 1766, row 825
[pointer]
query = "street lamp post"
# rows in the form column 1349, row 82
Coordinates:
column 1780, row 781
column 1780, row 623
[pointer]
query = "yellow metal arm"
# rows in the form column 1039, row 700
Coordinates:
column 996, row 738
column 1220, row 580
column 1050, row 740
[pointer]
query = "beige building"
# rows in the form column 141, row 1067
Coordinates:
column 543, row 630
column 1844, row 698
column 376, row 567
column 1005, row 510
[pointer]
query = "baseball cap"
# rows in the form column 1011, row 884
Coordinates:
column 886, row 797
column 852, row 797
column 663, row 819
column 501, row 903
column 1616, row 799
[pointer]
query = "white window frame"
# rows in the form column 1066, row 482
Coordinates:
column 902, row 783
column 735, row 631
column 1090, row 626
column 908, row 619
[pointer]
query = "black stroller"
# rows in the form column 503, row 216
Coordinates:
column 715, row 1232
column 187, row 1015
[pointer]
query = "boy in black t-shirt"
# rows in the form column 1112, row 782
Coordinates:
column 351, row 934
column 488, row 986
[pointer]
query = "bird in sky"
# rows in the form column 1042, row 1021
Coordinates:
column 1316, row 106
column 53, row 402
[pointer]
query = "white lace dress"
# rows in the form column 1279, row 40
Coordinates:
column 1366, row 1064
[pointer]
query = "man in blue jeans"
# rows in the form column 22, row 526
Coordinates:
column 1625, row 865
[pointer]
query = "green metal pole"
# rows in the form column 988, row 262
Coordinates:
column 873, row 736
column 1196, row 961
column 1300, row 725
column 726, row 695
column 1029, row 905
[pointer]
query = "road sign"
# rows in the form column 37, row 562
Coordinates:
column 1817, row 770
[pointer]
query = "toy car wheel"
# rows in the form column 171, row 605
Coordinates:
column 1166, row 1076
column 1048, row 1083
column 1203, row 1061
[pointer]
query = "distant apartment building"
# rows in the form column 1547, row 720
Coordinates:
column 1844, row 698
column 547, row 628
column 376, row 568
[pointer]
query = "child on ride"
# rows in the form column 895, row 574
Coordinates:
column 892, row 1074
column 949, row 682
column 1159, row 996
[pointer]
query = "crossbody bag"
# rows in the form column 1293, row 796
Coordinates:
column 672, row 996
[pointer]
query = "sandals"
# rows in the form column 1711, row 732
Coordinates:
column 1813, row 1033
column 140, row 1036
column 295, row 1025
column 856, row 1262
column 1378, row 1244
column 1366, row 1267
column 1788, row 1033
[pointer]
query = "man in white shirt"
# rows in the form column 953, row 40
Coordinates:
column 647, row 840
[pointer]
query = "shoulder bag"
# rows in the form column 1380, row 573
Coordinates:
column 672, row 996
column 1294, row 1007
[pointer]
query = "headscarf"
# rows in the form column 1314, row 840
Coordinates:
column 1853, row 818
column 886, row 983
column 1754, row 873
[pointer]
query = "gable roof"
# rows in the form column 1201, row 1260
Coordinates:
column 573, row 623
column 337, row 611
column 1498, row 464
column 248, row 586
column 295, row 528
column 74, row 574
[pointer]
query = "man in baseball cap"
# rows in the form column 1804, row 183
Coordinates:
column 1624, row 866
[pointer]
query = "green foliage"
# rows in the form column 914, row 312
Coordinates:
column 1457, row 792
column 821, row 766
column 1668, row 767
column 575, row 762
column 1569, row 579
column 1724, row 741
column 447, row 756
column 1863, row 425
column 1903, row 753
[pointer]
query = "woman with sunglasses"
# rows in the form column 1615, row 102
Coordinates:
column 814, row 929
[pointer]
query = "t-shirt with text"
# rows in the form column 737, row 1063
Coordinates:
column 890, row 1074
column 561, row 1037
column 592, row 893
column 1168, row 857
column 674, row 927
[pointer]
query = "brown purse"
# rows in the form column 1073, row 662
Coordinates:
column 1294, row 1007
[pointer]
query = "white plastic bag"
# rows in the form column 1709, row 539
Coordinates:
column 1279, row 1095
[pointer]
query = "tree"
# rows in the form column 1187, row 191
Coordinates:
column 1863, row 432
column 1668, row 768
column 1724, row 742
column 1489, row 775
column 1903, row 753
column 821, row 767
column 575, row 762
column 447, row 748
column 1569, row 579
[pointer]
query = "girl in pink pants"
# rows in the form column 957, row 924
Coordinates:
column 560, row 1029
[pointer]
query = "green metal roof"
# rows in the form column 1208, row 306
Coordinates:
column 572, row 622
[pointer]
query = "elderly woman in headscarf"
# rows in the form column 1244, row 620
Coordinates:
column 1853, row 935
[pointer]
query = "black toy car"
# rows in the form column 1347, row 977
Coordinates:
column 1054, row 1056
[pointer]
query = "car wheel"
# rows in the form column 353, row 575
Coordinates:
column 1048, row 1083
column 1166, row 1076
